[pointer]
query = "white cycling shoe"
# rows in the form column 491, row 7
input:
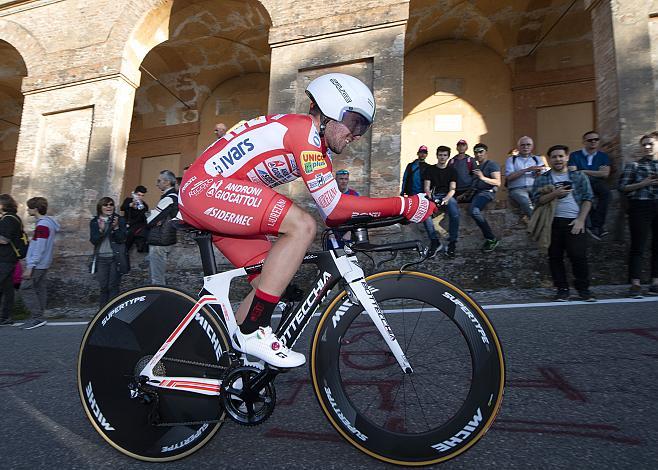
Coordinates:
column 264, row 344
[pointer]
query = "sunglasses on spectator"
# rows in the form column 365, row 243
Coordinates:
column 595, row 139
column 108, row 204
column 342, row 172
column 478, row 150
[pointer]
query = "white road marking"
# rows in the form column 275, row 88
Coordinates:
column 485, row 307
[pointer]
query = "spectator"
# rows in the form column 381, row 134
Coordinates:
column 412, row 180
column 220, row 130
column 463, row 164
column 10, row 230
column 337, row 238
column 572, row 196
column 108, row 233
column 343, row 181
column 596, row 165
column 639, row 182
column 486, row 180
column 440, row 184
column 412, row 183
column 520, row 173
column 134, row 210
column 166, row 209
column 38, row 261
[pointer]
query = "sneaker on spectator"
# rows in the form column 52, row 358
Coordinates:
column 635, row 292
column 6, row 322
column 450, row 252
column 586, row 296
column 34, row 323
column 562, row 295
column 435, row 245
column 490, row 245
column 653, row 290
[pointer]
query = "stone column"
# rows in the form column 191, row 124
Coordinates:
column 72, row 150
column 626, row 90
column 375, row 55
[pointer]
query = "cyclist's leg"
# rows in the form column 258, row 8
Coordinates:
column 245, row 210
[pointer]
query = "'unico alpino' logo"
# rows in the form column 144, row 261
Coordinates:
column 312, row 161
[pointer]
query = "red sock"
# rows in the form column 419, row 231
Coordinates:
column 260, row 312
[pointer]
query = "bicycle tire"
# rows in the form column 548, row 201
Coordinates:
column 361, row 387
column 116, row 345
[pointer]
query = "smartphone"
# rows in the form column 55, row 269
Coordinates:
column 563, row 184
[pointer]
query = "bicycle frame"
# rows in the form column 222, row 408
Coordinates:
column 333, row 266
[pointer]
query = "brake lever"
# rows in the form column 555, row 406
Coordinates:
column 394, row 254
column 423, row 257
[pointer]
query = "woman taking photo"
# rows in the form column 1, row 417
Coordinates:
column 107, row 232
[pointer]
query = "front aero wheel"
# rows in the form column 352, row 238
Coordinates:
column 159, row 424
column 426, row 417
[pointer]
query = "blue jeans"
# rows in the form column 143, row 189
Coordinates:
column 453, row 217
column 479, row 202
column 522, row 197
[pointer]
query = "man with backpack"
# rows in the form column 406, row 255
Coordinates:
column 12, row 246
column 161, row 235
column 463, row 164
column 520, row 173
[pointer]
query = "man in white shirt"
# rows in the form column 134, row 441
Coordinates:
column 520, row 173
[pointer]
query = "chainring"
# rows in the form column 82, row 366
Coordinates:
column 246, row 407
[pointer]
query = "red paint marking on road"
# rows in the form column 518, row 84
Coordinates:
column 548, row 427
column 642, row 332
column 552, row 379
column 20, row 377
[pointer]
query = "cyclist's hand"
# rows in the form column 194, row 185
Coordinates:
column 417, row 208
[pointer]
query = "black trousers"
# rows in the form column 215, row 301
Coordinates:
column 599, row 211
column 562, row 240
column 642, row 220
column 7, row 289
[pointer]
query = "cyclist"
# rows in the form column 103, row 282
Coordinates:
column 227, row 191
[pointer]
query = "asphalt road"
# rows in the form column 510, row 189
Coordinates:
column 581, row 393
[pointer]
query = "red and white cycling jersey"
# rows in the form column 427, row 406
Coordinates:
column 273, row 150
column 227, row 190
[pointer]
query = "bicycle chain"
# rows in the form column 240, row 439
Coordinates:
column 193, row 363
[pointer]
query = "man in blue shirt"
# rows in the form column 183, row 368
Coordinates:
column 596, row 165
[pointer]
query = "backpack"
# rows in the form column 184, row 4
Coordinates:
column 20, row 244
column 469, row 163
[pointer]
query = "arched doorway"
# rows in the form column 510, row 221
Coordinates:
column 12, row 71
column 213, row 66
column 497, row 71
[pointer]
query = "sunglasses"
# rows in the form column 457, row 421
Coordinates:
column 593, row 140
column 108, row 204
column 479, row 150
column 356, row 123
column 342, row 172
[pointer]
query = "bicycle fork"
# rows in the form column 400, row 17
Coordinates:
column 362, row 293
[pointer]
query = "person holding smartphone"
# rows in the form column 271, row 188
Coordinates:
column 639, row 182
column 573, row 200
column 107, row 232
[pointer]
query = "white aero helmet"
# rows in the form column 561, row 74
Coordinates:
column 337, row 94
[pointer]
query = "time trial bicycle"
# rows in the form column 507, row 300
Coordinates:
column 158, row 373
